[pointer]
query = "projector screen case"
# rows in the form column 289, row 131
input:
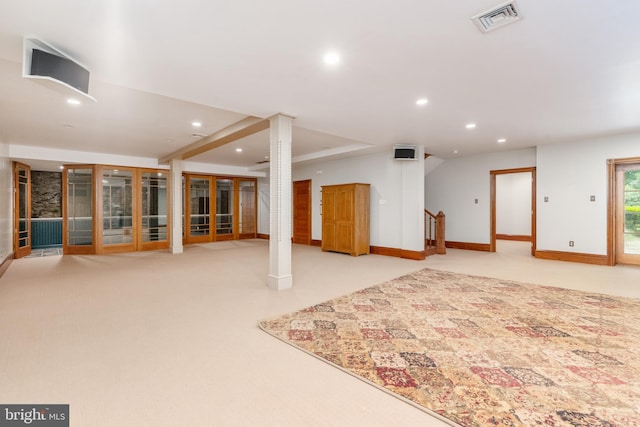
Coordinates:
column 59, row 68
column 54, row 69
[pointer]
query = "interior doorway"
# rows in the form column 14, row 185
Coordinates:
column 624, row 211
column 523, row 188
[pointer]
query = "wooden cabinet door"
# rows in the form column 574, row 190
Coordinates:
column 344, row 220
column 328, row 219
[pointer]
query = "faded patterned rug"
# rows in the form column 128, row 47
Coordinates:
column 478, row 351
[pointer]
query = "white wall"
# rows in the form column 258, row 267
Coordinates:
column 513, row 204
column 264, row 200
column 568, row 174
column 396, row 197
column 6, row 204
column 454, row 186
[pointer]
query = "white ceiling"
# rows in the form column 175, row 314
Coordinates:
column 567, row 70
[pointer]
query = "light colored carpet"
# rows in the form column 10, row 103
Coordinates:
column 153, row 339
column 482, row 351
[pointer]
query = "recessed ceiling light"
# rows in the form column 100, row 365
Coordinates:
column 502, row 140
column 455, row 151
column 196, row 124
column 422, row 101
column 331, row 58
column 159, row 173
column 470, row 125
column 73, row 101
column 61, row 167
column 238, row 150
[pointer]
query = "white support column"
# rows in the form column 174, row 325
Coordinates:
column 413, row 203
column 280, row 200
column 176, row 206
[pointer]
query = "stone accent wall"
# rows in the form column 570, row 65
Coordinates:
column 46, row 194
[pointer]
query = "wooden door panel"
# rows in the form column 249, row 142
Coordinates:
column 329, row 237
column 302, row 212
column 344, row 236
column 328, row 206
column 344, row 204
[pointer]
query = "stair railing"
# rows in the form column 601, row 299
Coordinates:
column 434, row 236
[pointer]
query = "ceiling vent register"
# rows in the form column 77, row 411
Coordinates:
column 497, row 17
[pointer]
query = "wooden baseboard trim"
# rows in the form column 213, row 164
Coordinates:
column 5, row 264
column 398, row 253
column 484, row 247
column 573, row 257
column 516, row 237
column 376, row 250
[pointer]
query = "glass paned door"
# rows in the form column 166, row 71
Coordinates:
column 78, row 221
column 247, row 218
column 199, row 209
column 22, row 217
column 154, row 211
column 628, row 219
column 117, row 210
column 224, row 208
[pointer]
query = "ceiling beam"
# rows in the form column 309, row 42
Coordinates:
column 240, row 129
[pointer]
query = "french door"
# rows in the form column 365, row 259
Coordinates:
column 627, row 213
column 198, row 206
column 109, row 209
column 22, row 210
column 247, row 209
column 153, row 208
column 225, row 202
column 219, row 208
column 118, row 208
column 78, row 207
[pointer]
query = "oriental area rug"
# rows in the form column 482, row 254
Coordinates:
column 478, row 351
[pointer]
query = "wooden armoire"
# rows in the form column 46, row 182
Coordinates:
column 345, row 218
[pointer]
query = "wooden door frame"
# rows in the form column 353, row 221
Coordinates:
column 611, row 205
column 19, row 252
column 99, row 214
column 77, row 249
column 187, row 209
column 234, row 203
column 163, row 244
column 255, row 208
column 309, row 228
column 493, row 173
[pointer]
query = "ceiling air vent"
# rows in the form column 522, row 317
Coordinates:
column 497, row 17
